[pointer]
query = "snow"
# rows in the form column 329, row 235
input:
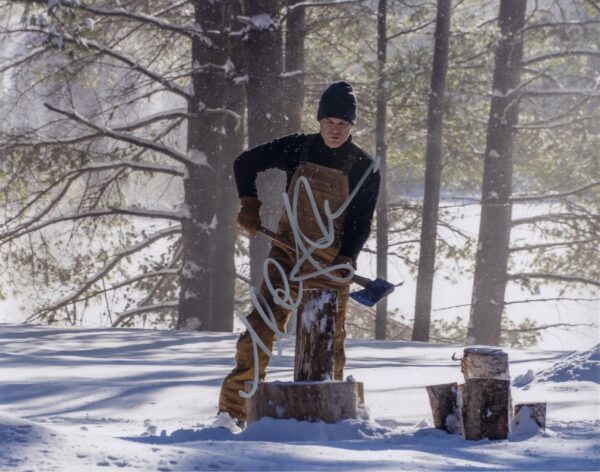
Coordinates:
column 197, row 157
column 264, row 22
column 76, row 399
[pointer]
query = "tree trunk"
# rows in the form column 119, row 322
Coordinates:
column 205, row 143
column 433, row 172
column 490, row 277
column 223, row 247
column 380, row 150
column 295, row 32
column 265, row 113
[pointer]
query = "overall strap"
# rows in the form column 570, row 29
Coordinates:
column 306, row 147
column 350, row 158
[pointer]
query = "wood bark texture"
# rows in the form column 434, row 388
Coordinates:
column 329, row 402
column 491, row 261
column 433, row 173
column 264, row 65
column 484, row 363
column 204, row 141
column 445, row 409
column 381, row 150
column 486, row 408
column 315, row 333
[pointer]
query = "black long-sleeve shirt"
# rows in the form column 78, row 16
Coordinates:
column 284, row 153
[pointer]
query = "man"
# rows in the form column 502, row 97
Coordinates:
column 333, row 166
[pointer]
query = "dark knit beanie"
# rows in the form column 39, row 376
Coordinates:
column 338, row 101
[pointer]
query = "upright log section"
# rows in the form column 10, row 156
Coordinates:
column 314, row 335
column 486, row 396
column 444, row 402
column 313, row 395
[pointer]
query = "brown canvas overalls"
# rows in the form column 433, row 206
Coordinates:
column 326, row 183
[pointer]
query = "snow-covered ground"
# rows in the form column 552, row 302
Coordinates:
column 107, row 399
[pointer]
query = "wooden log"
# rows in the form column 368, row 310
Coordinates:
column 329, row 401
column 315, row 333
column 484, row 363
column 443, row 399
column 486, row 408
column 537, row 412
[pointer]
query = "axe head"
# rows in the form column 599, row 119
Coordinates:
column 373, row 292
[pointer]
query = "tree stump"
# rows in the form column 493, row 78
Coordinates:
column 486, row 409
column 484, row 363
column 315, row 333
column 537, row 412
column 330, row 401
column 445, row 408
column 313, row 395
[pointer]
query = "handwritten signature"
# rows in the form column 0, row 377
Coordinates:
column 305, row 247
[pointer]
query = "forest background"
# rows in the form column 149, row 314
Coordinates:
column 121, row 121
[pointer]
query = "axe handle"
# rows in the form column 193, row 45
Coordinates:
column 362, row 281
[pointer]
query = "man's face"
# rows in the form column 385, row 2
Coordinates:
column 335, row 131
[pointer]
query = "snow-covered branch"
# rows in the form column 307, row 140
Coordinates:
column 146, row 143
column 145, row 213
column 151, row 119
column 325, row 3
column 113, row 261
column 119, row 56
column 191, row 30
column 140, row 166
column 560, row 92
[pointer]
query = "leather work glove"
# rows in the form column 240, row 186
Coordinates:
column 249, row 215
column 343, row 260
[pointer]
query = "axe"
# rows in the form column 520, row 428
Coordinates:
column 373, row 291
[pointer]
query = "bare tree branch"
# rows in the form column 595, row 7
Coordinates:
column 147, row 275
column 559, row 24
column 530, row 247
column 548, row 276
column 533, row 300
column 31, row 55
column 527, row 198
column 554, row 55
column 555, row 217
column 144, row 309
column 548, row 326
